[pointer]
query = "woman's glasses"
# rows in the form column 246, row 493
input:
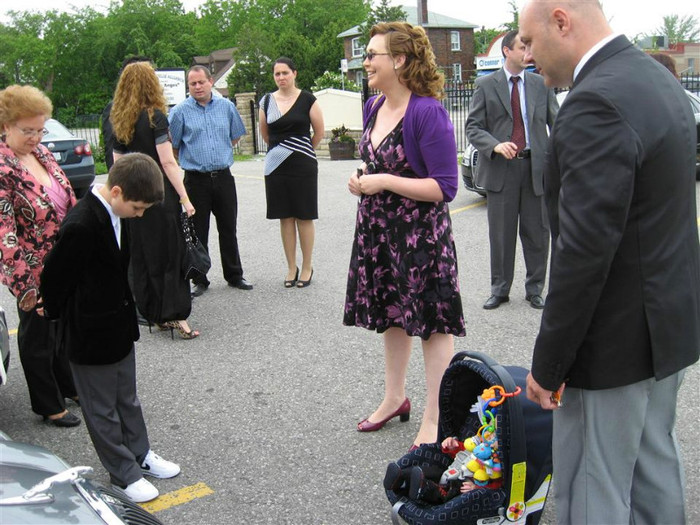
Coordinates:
column 370, row 55
column 30, row 133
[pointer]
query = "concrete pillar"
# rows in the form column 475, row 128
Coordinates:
column 246, row 146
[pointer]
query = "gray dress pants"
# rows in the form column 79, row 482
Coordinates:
column 113, row 416
column 616, row 458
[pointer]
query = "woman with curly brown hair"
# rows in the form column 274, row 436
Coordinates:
column 35, row 195
column 403, row 278
column 140, row 125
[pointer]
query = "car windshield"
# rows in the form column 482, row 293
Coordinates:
column 56, row 131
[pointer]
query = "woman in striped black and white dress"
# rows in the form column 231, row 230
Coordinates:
column 291, row 171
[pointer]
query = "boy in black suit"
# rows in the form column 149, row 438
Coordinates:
column 84, row 286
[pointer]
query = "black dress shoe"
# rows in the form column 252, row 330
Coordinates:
column 241, row 284
column 536, row 301
column 198, row 289
column 67, row 421
column 495, row 301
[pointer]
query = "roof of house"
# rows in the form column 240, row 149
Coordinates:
column 218, row 55
column 435, row 20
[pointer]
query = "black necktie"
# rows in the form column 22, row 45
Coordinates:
column 518, row 136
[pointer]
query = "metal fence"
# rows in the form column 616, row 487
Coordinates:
column 691, row 82
column 458, row 97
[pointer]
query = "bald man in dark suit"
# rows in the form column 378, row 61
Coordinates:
column 622, row 319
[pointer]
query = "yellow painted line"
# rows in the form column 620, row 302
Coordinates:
column 177, row 497
column 12, row 332
column 465, row 208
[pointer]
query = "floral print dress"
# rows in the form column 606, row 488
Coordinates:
column 403, row 268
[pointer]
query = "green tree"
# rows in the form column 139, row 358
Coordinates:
column 483, row 38
column 679, row 29
column 334, row 80
column 510, row 26
column 383, row 12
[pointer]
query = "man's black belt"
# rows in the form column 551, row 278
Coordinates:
column 208, row 173
column 524, row 154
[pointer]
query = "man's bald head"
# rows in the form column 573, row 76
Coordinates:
column 558, row 33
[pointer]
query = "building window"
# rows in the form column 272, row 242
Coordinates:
column 691, row 65
column 454, row 35
column 457, row 72
column 356, row 47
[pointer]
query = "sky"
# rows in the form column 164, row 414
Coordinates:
column 631, row 17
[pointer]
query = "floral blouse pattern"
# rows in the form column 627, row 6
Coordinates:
column 28, row 221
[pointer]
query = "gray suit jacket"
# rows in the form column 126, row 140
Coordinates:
column 490, row 122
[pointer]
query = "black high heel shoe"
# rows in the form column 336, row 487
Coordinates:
column 67, row 420
column 291, row 282
column 304, row 284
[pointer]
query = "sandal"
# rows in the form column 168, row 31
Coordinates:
column 184, row 334
column 289, row 283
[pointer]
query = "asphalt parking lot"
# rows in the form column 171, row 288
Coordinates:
column 260, row 411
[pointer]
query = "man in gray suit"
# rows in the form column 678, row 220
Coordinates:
column 507, row 124
column 622, row 319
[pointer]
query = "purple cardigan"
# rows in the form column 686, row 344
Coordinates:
column 428, row 140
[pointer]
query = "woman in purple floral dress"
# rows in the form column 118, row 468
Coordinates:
column 403, row 278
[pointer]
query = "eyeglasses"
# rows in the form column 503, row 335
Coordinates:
column 29, row 133
column 370, row 56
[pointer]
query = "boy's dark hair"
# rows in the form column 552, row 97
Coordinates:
column 139, row 177
column 508, row 40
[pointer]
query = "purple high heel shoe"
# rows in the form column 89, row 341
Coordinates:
column 404, row 413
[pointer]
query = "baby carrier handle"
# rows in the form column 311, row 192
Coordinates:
column 518, row 446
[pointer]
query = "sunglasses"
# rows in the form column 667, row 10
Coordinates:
column 370, row 56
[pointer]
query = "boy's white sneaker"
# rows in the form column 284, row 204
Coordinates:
column 156, row 466
column 141, row 491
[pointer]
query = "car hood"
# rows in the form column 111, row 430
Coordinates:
column 21, row 467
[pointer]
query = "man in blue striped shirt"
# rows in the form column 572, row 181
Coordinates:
column 204, row 128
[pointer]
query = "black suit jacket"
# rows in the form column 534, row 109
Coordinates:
column 84, row 285
column 624, row 293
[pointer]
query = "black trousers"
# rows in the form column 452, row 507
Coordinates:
column 215, row 192
column 46, row 368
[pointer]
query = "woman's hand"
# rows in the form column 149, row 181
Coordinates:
column 188, row 208
column 354, row 183
column 29, row 300
column 371, row 184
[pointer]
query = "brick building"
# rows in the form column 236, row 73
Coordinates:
column 452, row 41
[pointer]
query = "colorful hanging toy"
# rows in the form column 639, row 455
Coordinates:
column 479, row 460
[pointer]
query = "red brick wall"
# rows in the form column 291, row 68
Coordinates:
column 442, row 46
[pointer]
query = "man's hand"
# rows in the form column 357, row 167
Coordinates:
column 545, row 398
column 507, row 149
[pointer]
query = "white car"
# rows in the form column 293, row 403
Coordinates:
column 471, row 155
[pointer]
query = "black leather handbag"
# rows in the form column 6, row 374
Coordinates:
column 196, row 259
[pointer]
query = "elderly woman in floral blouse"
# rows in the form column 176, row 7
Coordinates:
column 34, row 197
